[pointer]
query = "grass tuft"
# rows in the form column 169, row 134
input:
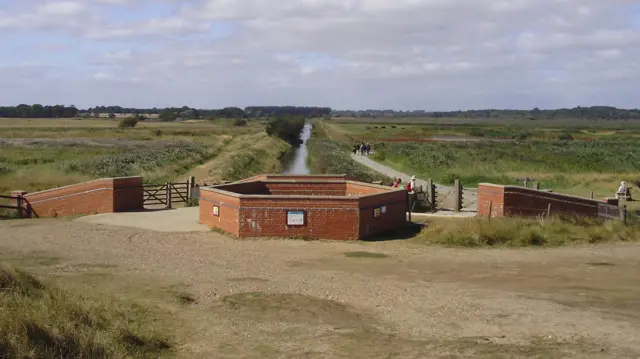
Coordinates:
column 43, row 321
column 365, row 255
column 522, row 232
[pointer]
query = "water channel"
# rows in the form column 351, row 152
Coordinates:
column 295, row 162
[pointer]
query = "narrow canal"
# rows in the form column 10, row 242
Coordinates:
column 295, row 163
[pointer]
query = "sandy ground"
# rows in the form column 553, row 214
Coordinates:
column 399, row 299
column 161, row 220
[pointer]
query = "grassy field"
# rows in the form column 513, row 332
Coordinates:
column 575, row 158
column 38, row 154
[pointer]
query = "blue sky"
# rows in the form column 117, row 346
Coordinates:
column 365, row 54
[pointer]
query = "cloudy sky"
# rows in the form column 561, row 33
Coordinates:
column 347, row 54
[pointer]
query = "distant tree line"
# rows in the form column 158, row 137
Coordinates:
column 39, row 111
column 593, row 112
column 262, row 111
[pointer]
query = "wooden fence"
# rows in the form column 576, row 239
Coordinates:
column 169, row 193
column 15, row 204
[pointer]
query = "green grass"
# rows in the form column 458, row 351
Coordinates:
column 329, row 156
column 557, row 164
column 42, row 320
column 521, row 232
column 39, row 154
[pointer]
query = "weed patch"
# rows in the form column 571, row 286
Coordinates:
column 43, row 321
column 522, row 232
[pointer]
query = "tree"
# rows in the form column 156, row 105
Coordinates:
column 129, row 122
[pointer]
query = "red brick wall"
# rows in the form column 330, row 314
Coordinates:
column 99, row 196
column 347, row 218
column 128, row 194
column 490, row 196
column 395, row 216
column 228, row 205
column 306, row 188
column 253, row 187
column 324, row 218
column 520, row 201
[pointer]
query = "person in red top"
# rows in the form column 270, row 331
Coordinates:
column 396, row 182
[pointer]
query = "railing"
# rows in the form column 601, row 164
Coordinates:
column 17, row 204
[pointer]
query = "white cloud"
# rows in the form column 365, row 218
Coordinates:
column 433, row 54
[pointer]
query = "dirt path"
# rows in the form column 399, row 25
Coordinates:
column 444, row 193
column 292, row 299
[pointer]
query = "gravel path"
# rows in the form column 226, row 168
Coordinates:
column 444, row 192
column 510, row 296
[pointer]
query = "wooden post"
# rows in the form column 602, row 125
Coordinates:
column 457, row 205
column 591, row 194
column 525, row 183
column 549, row 210
column 538, row 186
column 190, row 185
column 168, row 194
column 431, row 193
column 19, row 200
column 623, row 214
column 409, row 205
column 490, row 208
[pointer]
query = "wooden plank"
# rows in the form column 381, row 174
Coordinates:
column 8, row 207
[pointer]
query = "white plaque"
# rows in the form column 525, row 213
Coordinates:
column 295, row 218
column 383, row 209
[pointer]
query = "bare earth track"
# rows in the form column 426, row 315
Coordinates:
column 299, row 299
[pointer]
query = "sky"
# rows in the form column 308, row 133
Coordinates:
column 433, row 55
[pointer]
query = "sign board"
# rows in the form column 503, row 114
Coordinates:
column 295, row 218
column 383, row 209
column 216, row 211
column 376, row 212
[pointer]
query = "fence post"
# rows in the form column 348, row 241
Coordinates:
column 190, row 185
column 591, row 194
column 19, row 200
column 168, row 194
column 457, row 205
column 623, row 214
column 490, row 208
column 538, row 186
column 409, row 205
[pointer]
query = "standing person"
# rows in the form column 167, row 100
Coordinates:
column 396, row 182
column 411, row 186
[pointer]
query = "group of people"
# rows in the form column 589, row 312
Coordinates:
column 410, row 187
column 361, row 148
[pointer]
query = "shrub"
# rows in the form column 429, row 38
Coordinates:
column 287, row 128
column 565, row 137
column 128, row 122
column 158, row 132
column 240, row 122
column 135, row 161
column 4, row 169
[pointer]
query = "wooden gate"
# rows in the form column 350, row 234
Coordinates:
column 167, row 194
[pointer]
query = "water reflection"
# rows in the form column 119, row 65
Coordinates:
column 298, row 166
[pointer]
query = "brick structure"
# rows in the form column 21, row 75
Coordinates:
column 324, row 207
column 99, row 196
column 528, row 202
